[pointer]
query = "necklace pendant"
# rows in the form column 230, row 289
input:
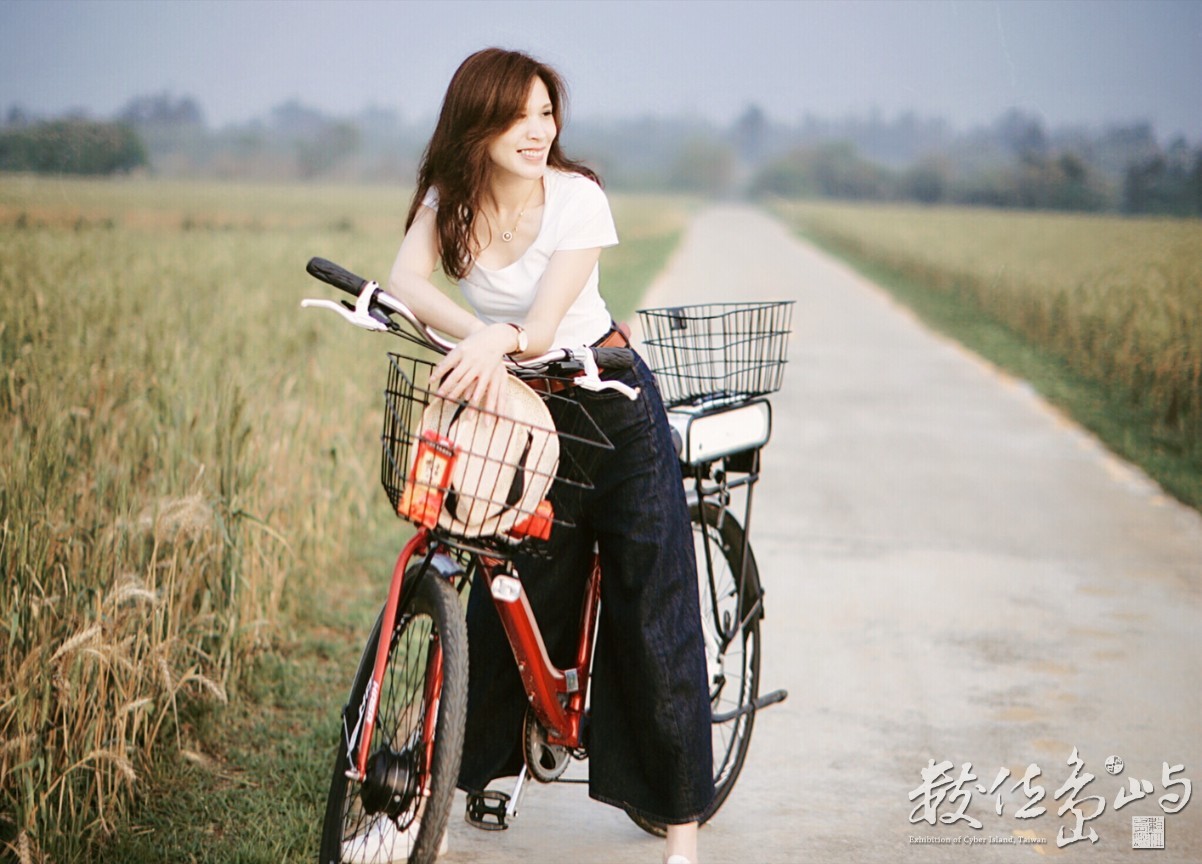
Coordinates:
column 507, row 236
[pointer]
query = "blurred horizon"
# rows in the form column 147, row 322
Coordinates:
column 1089, row 65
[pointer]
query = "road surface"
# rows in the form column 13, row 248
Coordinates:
column 956, row 573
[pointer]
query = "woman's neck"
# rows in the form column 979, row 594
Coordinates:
column 512, row 194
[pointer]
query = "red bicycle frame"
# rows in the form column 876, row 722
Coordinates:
column 367, row 715
column 557, row 696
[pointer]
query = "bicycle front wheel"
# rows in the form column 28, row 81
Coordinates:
column 730, row 624
column 386, row 816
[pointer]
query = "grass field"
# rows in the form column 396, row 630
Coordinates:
column 192, row 537
column 192, row 541
column 1102, row 314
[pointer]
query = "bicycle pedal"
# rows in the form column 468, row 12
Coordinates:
column 487, row 810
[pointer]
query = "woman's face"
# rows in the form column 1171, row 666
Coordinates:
column 522, row 149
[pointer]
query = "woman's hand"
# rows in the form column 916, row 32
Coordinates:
column 474, row 369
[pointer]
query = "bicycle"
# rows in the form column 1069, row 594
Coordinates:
column 714, row 365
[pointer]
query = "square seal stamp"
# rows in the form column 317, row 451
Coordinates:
column 1147, row 832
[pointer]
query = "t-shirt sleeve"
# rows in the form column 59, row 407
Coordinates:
column 586, row 221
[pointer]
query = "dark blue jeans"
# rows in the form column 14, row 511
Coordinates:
column 649, row 731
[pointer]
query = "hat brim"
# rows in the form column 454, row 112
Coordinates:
column 504, row 466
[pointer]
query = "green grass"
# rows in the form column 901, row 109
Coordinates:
column 254, row 788
column 257, row 791
column 1103, row 316
column 189, row 506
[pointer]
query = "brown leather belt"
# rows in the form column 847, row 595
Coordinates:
column 616, row 338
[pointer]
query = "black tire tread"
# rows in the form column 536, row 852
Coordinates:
column 437, row 597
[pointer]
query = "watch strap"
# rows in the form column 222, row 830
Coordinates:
column 523, row 339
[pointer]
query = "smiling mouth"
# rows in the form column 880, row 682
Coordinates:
column 532, row 153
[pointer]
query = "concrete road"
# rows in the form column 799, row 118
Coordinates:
column 955, row 573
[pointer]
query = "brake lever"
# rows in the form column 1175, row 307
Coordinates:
column 376, row 312
column 361, row 316
column 591, row 379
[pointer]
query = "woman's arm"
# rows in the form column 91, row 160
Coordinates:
column 410, row 282
column 473, row 370
column 565, row 277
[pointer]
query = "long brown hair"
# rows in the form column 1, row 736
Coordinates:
column 486, row 96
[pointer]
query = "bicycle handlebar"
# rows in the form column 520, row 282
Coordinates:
column 614, row 358
column 332, row 274
column 368, row 314
column 369, row 296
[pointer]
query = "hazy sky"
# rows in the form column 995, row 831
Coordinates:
column 966, row 61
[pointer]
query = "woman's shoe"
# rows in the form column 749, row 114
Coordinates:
column 677, row 859
column 381, row 842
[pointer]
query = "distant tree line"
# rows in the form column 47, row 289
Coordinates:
column 1165, row 183
column 72, row 146
column 1013, row 162
column 836, row 170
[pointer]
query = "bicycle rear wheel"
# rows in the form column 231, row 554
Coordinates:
column 385, row 818
column 732, row 645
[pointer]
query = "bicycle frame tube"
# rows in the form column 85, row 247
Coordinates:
column 544, row 682
column 433, row 696
column 745, row 552
column 387, row 623
column 588, row 632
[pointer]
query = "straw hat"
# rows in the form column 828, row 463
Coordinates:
column 505, row 464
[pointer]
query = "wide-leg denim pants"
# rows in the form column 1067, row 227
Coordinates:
column 649, row 731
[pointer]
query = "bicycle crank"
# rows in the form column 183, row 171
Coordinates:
column 546, row 761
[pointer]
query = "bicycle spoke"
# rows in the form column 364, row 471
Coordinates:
column 399, row 809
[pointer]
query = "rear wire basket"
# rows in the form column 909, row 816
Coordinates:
column 717, row 351
column 478, row 479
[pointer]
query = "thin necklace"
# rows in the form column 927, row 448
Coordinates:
column 507, row 236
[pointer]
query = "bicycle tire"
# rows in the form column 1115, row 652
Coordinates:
column 741, row 656
column 429, row 607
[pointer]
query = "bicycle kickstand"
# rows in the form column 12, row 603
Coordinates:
column 511, row 810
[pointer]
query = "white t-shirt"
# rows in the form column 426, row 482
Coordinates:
column 575, row 216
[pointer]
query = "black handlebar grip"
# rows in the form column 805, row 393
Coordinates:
column 332, row 274
column 614, row 358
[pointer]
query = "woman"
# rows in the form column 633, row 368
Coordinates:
column 521, row 227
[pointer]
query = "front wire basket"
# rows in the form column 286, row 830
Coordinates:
column 482, row 480
column 717, row 351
